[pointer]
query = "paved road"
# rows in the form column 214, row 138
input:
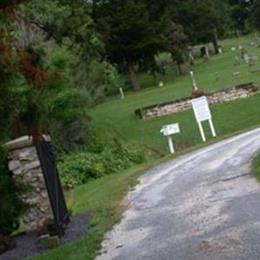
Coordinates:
column 204, row 205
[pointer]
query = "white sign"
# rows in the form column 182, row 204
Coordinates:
column 201, row 109
column 202, row 113
column 169, row 130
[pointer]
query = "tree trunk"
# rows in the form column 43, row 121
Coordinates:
column 180, row 68
column 133, row 77
column 215, row 41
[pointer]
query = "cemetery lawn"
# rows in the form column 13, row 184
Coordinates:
column 102, row 198
column 118, row 115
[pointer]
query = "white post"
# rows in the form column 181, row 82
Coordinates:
column 212, row 128
column 122, row 93
column 202, row 132
column 171, row 147
column 194, row 83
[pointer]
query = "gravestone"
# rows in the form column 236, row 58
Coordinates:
column 194, row 83
column 191, row 58
column 122, row 94
column 237, row 60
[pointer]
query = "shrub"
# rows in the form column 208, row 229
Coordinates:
column 100, row 79
column 76, row 169
column 79, row 168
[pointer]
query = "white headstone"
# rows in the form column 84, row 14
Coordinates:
column 122, row 94
column 246, row 58
column 161, row 84
column 194, row 83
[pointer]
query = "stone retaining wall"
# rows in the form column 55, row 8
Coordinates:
column 239, row 92
column 25, row 167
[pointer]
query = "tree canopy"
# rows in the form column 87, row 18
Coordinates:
column 134, row 32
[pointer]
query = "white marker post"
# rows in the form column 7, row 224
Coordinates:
column 168, row 131
column 161, row 84
column 122, row 93
column 194, row 83
column 202, row 113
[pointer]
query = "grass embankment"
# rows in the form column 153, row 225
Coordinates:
column 102, row 197
column 256, row 167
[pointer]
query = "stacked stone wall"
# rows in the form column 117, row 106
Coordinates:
column 222, row 96
column 24, row 165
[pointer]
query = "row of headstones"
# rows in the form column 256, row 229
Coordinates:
column 244, row 56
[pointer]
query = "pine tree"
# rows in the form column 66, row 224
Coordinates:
column 133, row 33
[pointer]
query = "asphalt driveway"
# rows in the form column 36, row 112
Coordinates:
column 204, row 205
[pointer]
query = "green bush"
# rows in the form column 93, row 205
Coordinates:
column 79, row 168
column 11, row 206
column 76, row 169
column 99, row 79
column 65, row 115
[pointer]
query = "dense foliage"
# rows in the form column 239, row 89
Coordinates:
column 79, row 168
column 133, row 33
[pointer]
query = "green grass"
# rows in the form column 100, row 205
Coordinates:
column 102, row 198
column 256, row 167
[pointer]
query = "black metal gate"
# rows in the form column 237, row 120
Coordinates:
column 51, row 176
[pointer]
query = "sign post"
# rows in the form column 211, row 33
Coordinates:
column 202, row 113
column 168, row 131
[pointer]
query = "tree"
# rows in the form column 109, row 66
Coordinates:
column 68, row 23
column 203, row 20
column 255, row 15
column 178, row 46
column 133, row 33
column 240, row 11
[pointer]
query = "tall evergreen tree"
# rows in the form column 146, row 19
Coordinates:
column 134, row 32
